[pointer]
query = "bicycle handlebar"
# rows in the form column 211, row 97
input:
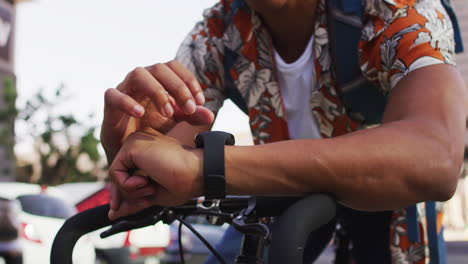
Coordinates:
column 295, row 225
column 303, row 215
column 75, row 227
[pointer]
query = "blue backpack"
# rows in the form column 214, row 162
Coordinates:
column 366, row 103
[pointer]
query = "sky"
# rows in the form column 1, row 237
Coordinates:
column 90, row 46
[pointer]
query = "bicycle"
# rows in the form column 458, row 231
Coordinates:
column 283, row 223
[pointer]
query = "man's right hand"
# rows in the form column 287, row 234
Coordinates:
column 158, row 96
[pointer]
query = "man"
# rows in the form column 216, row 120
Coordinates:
column 284, row 75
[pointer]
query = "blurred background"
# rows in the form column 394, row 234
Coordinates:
column 57, row 57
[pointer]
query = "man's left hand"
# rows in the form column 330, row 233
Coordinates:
column 173, row 170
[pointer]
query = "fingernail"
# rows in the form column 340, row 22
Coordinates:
column 200, row 98
column 138, row 110
column 141, row 185
column 168, row 111
column 189, row 107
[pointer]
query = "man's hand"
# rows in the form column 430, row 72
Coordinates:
column 172, row 169
column 157, row 96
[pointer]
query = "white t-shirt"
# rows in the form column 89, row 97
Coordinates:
column 297, row 81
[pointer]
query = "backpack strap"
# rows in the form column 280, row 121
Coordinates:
column 456, row 28
column 350, row 7
column 437, row 249
column 412, row 222
column 365, row 103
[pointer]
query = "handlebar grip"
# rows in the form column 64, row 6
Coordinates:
column 267, row 206
column 75, row 227
column 292, row 228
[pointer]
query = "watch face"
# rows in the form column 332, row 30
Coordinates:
column 198, row 141
column 230, row 140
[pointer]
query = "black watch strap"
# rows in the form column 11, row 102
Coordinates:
column 213, row 143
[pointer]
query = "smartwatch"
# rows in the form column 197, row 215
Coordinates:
column 213, row 142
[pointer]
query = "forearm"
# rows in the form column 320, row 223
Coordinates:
column 415, row 155
column 381, row 168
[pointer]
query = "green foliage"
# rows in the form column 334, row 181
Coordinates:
column 67, row 120
column 7, row 115
column 47, row 137
column 89, row 144
column 5, row 136
column 9, row 91
column 9, row 97
column 58, row 148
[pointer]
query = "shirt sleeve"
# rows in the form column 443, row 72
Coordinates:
column 400, row 36
column 202, row 53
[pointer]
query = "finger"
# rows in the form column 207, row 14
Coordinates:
column 172, row 100
column 130, row 207
column 189, row 79
column 120, row 168
column 164, row 197
column 114, row 197
column 201, row 116
column 174, row 86
column 134, row 183
column 147, row 191
column 140, row 83
column 117, row 104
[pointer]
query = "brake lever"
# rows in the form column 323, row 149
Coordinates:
column 127, row 225
column 242, row 225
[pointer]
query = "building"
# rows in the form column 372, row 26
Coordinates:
column 7, row 90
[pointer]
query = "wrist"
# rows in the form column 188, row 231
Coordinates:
column 109, row 149
column 110, row 141
column 197, row 165
column 213, row 144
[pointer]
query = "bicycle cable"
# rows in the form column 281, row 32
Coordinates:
column 202, row 239
column 181, row 248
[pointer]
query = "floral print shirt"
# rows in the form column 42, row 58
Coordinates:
column 398, row 36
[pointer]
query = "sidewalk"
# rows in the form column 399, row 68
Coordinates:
column 457, row 252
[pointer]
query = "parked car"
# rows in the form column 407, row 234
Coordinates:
column 41, row 217
column 11, row 190
column 86, row 195
column 42, row 211
column 10, row 249
column 195, row 251
column 143, row 245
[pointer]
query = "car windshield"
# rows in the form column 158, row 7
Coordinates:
column 44, row 205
